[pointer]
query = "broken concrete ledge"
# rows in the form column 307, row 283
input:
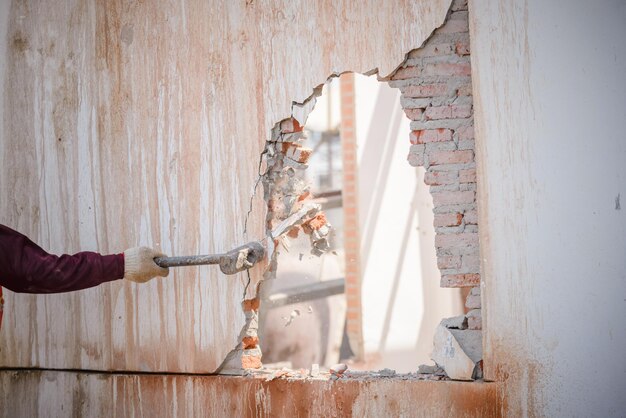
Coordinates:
column 95, row 394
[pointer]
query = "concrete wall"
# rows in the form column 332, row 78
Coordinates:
column 550, row 97
column 402, row 302
column 129, row 123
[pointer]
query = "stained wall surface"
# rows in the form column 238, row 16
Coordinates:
column 550, row 99
column 127, row 123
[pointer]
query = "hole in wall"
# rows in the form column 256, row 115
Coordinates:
column 435, row 86
column 373, row 299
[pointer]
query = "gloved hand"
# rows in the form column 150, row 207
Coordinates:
column 139, row 265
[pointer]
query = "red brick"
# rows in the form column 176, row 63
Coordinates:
column 451, row 157
column 437, row 178
column 299, row 154
column 251, row 304
column 251, row 362
column 453, row 198
column 446, row 68
column 407, row 72
column 289, row 126
column 414, row 114
column 448, row 112
column 460, row 280
column 465, row 239
column 462, row 48
column 467, row 175
column 426, row 90
column 465, row 132
column 430, row 135
column 448, row 219
column 449, row 262
column 249, row 342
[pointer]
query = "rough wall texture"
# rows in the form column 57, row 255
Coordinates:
column 51, row 394
column 548, row 81
column 123, row 123
column 437, row 96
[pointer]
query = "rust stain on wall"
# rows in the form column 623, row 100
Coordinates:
column 24, row 393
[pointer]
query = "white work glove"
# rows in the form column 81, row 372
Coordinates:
column 139, row 265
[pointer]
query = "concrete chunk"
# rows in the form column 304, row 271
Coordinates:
column 458, row 352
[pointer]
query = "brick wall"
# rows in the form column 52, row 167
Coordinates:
column 352, row 239
column 435, row 82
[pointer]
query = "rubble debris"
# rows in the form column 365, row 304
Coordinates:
column 387, row 372
column 293, row 315
column 338, row 369
column 426, row 369
column 310, row 309
column 287, row 194
column 458, row 351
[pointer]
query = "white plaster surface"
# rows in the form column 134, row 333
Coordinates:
column 162, row 111
column 550, row 97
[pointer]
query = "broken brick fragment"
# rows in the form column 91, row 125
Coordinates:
column 249, row 342
column 293, row 232
column 251, row 304
column 290, row 125
column 304, row 196
column 251, row 362
column 314, row 223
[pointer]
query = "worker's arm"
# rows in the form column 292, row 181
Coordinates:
column 26, row 267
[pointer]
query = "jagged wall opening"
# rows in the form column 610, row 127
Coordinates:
column 436, row 95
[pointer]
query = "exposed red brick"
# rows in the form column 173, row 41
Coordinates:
column 251, row 362
column 467, row 176
column 304, row 196
column 465, row 132
column 447, row 69
column 430, row 135
column 462, row 48
column 315, row 223
column 460, row 280
column 251, row 304
column 451, row 157
column 249, row 342
column 290, row 125
column 294, row 232
column 448, row 112
column 449, row 262
column 453, row 197
column 438, row 178
column 414, row 114
column 448, row 219
column 426, row 90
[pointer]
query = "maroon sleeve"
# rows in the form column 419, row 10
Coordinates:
column 25, row 267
